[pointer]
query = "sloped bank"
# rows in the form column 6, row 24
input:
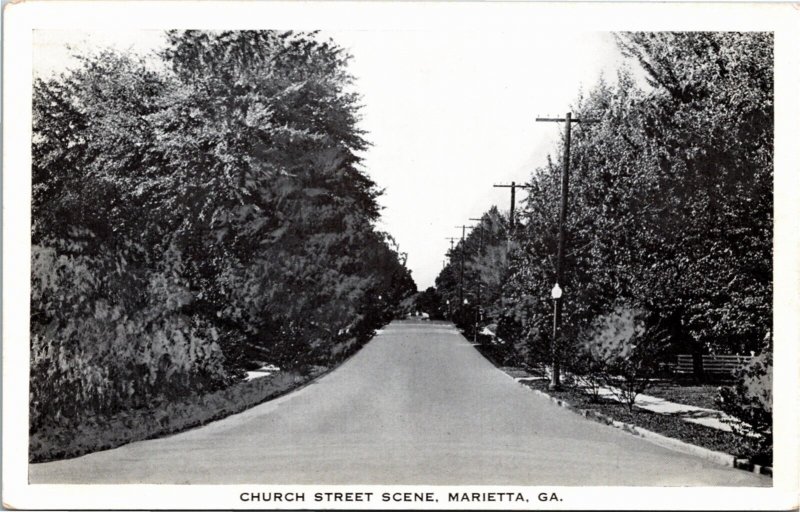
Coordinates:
column 57, row 442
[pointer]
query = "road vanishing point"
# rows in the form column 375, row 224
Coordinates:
column 417, row 405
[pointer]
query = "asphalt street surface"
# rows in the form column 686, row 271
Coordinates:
column 417, row 405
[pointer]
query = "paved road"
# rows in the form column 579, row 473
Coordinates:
column 417, row 405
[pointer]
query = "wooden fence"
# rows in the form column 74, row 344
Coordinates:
column 712, row 364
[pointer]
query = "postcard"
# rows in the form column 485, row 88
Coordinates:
column 400, row 255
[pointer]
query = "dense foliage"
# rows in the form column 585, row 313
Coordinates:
column 670, row 209
column 196, row 214
column 750, row 402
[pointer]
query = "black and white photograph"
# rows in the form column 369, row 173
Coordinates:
column 415, row 264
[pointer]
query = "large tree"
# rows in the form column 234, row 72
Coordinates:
column 199, row 212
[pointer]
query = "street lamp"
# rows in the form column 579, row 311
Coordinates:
column 474, row 327
column 555, row 380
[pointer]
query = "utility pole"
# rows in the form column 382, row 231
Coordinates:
column 555, row 377
column 513, row 186
column 480, row 229
column 479, row 310
column 461, row 289
column 452, row 240
column 450, row 257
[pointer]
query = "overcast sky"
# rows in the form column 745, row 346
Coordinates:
column 448, row 113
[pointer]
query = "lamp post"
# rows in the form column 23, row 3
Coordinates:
column 478, row 319
column 480, row 253
column 474, row 329
column 562, row 220
column 555, row 377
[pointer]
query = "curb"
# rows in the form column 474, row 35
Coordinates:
column 747, row 465
column 721, row 458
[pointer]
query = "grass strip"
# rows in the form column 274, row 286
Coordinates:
column 698, row 395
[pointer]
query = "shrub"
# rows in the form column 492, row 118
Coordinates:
column 588, row 373
column 749, row 400
column 622, row 350
column 92, row 356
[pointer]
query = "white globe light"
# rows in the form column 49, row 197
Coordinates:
column 557, row 292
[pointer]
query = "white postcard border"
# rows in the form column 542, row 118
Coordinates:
column 21, row 19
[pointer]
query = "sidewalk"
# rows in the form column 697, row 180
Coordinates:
column 706, row 417
column 702, row 416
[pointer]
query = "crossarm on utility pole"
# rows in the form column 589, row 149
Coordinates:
column 563, row 119
column 513, row 186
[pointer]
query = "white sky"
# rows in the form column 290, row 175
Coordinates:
column 448, row 114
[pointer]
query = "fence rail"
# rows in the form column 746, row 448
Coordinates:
column 716, row 364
